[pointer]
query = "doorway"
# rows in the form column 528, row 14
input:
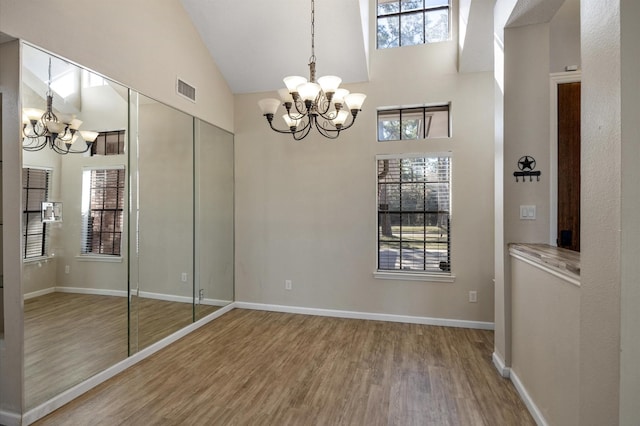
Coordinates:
column 567, row 164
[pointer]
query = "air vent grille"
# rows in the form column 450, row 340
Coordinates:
column 186, row 90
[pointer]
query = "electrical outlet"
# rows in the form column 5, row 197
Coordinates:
column 473, row 296
column 67, row 269
column 287, row 284
column 183, row 278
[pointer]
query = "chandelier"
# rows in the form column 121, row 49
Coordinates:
column 310, row 104
column 43, row 128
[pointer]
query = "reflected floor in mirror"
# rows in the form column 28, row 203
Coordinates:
column 70, row 337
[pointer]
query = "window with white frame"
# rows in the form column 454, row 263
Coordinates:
column 412, row 22
column 102, row 210
column 425, row 122
column 36, row 183
column 414, row 213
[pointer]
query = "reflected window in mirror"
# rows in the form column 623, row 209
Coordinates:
column 102, row 210
column 109, row 143
column 35, row 191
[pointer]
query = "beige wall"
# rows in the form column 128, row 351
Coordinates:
column 143, row 44
column 545, row 344
column 306, row 211
column 11, row 348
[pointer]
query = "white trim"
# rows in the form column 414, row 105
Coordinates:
column 556, row 79
column 123, row 293
column 38, row 293
column 560, row 273
column 366, row 315
column 93, row 291
column 104, row 167
column 498, row 362
column 59, row 400
column 414, row 155
column 414, row 276
column 10, row 418
column 106, row 258
column 526, row 398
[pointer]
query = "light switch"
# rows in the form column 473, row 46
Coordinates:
column 528, row 212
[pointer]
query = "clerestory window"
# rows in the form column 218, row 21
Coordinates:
column 412, row 22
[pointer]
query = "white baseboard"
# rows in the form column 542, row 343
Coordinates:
column 93, row 291
column 366, row 315
column 74, row 392
column 38, row 293
column 9, row 418
column 123, row 293
column 526, row 398
column 498, row 362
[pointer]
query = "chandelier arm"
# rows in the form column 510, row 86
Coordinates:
column 302, row 133
column 35, row 147
column 269, row 118
column 327, row 133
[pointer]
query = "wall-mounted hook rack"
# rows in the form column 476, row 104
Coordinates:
column 526, row 164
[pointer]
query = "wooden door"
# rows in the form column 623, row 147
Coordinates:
column 569, row 166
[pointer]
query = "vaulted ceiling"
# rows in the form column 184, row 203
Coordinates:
column 256, row 42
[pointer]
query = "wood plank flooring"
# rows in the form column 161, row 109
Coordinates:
column 70, row 337
column 266, row 368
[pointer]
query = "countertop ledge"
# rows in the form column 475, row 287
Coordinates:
column 560, row 259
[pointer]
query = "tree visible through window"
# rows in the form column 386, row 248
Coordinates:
column 102, row 211
column 414, row 213
column 411, row 22
column 35, row 190
column 413, row 123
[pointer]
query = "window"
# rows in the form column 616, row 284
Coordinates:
column 414, row 226
column 35, row 190
column 102, row 211
column 413, row 123
column 411, row 22
column 109, row 143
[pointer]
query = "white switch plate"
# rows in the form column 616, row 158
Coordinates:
column 528, row 212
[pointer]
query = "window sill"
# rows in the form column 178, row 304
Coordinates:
column 99, row 258
column 414, row 276
column 39, row 259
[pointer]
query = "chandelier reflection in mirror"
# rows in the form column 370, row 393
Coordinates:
column 44, row 128
column 311, row 104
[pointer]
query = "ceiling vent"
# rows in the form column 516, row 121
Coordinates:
column 186, row 90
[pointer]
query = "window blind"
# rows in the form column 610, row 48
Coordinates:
column 35, row 190
column 414, row 207
column 102, row 225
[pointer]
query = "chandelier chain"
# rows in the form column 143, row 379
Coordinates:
column 313, row 33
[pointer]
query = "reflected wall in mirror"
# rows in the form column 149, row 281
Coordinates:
column 162, row 301
column 74, row 269
column 214, row 218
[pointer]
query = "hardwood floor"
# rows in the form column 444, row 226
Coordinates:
column 265, row 368
column 70, row 337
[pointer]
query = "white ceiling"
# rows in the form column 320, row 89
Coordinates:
column 256, row 43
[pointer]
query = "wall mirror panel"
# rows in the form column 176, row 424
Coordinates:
column 162, row 298
column 214, row 218
column 126, row 243
column 75, row 266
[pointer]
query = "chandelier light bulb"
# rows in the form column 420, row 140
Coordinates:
column 329, row 83
column 339, row 95
column 309, row 91
column 269, row 106
column 291, row 122
column 285, row 95
column 293, row 81
column 340, row 119
column 354, row 101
